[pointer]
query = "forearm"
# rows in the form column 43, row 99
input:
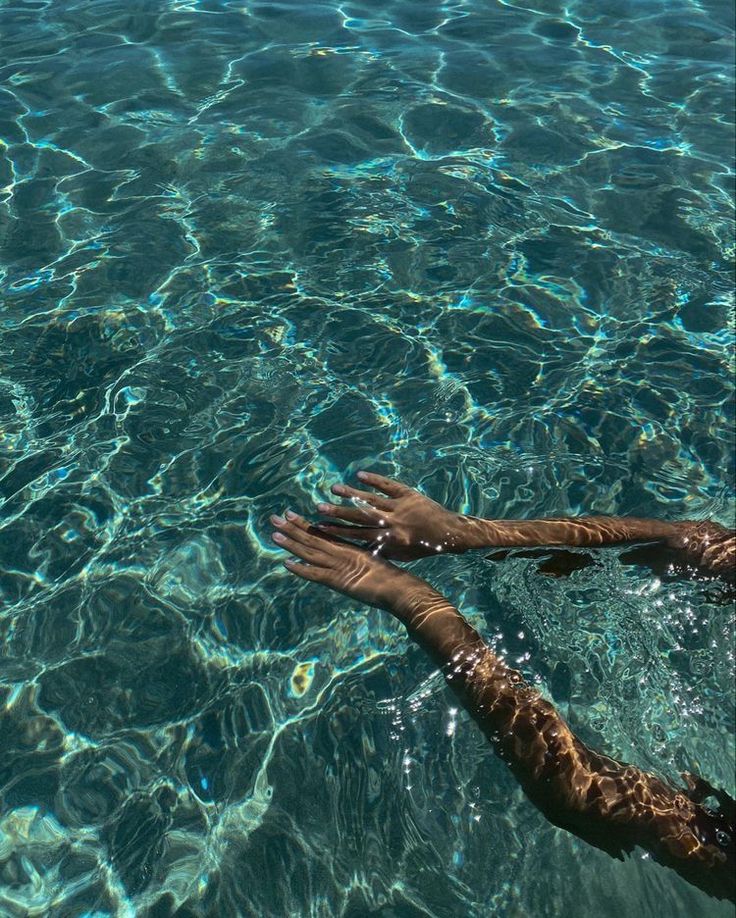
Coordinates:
column 574, row 786
column 525, row 727
column 433, row 623
column 702, row 545
column 587, row 532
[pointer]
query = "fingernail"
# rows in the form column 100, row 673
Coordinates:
column 323, row 508
column 338, row 489
column 362, row 474
column 278, row 537
column 290, row 515
column 278, row 520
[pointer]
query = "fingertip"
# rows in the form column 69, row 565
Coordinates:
column 338, row 489
column 362, row 475
column 323, row 508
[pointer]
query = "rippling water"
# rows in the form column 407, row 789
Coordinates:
column 248, row 248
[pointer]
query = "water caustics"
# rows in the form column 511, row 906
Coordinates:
column 248, row 248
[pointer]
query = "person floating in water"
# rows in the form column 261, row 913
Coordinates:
column 612, row 805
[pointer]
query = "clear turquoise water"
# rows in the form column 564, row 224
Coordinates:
column 248, row 248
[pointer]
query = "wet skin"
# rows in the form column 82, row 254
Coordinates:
column 407, row 525
column 612, row 805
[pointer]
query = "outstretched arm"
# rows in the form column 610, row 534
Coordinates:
column 588, row 793
column 406, row 525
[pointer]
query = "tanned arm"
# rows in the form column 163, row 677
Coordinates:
column 575, row 787
column 406, row 525
column 587, row 793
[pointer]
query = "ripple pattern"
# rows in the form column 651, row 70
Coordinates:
column 247, row 248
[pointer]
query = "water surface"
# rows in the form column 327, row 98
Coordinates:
column 249, row 248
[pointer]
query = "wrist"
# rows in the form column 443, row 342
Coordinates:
column 471, row 532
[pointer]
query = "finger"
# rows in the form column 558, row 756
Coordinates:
column 296, row 527
column 356, row 533
column 305, row 571
column 365, row 515
column 306, row 552
column 368, row 497
column 301, row 530
column 297, row 522
column 387, row 485
column 333, row 538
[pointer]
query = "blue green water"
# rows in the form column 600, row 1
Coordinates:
column 248, row 248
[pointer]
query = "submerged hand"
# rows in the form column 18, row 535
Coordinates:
column 403, row 525
column 342, row 566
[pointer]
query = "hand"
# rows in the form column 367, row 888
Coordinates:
column 404, row 525
column 342, row 566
